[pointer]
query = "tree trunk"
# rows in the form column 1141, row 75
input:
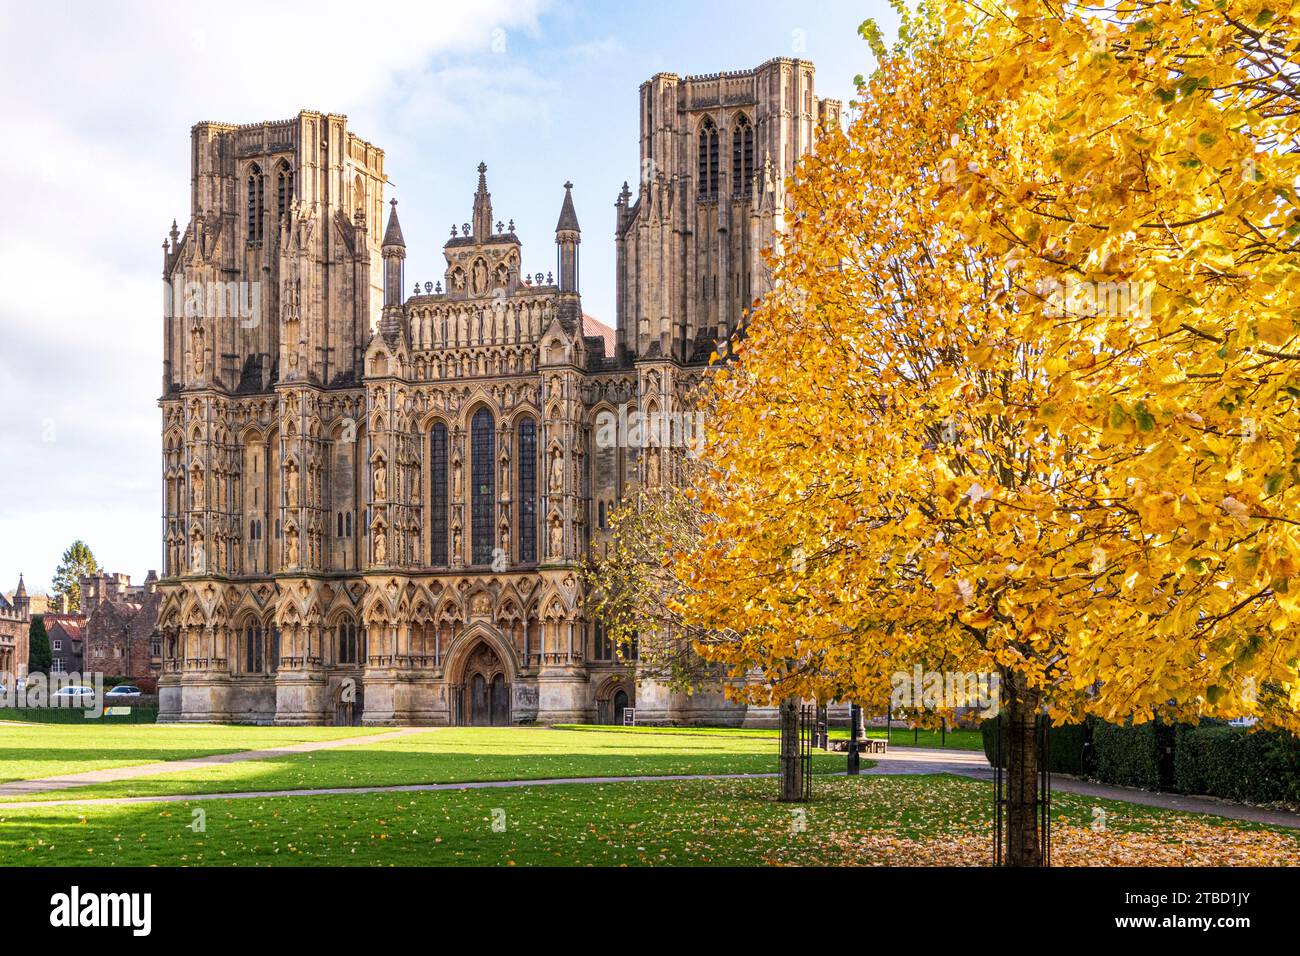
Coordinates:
column 1022, row 837
column 791, row 766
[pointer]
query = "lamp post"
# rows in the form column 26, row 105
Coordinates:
column 855, row 729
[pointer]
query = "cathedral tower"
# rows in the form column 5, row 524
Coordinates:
column 715, row 152
column 279, row 228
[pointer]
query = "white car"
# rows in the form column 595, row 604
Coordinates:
column 124, row 690
column 77, row 692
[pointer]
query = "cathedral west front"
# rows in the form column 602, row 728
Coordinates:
column 378, row 495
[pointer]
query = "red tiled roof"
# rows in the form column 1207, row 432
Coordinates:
column 593, row 326
column 71, row 625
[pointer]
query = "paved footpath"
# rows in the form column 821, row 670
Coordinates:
column 905, row 761
column 17, row 788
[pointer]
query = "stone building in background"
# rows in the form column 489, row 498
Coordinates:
column 121, row 636
column 15, row 637
column 377, row 500
column 67, row 634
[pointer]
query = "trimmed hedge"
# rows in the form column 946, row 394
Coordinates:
column 1130, row 756
column 1211, row 759
column 1234, row 764
column 76, row 715
column 1069, row 746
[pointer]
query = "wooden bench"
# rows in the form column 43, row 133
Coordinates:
column 867, row 745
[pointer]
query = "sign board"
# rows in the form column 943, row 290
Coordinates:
column 629, row 716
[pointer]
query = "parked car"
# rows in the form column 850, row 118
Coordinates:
column 123, row 690
column 77, row 692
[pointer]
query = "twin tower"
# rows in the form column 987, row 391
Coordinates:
column 377, row 500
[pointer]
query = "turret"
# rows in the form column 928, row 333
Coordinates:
column 394, row 253
column 22, row 603
column 482, row 207
column 567, row 238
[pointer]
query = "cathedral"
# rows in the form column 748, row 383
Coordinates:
column 377, row 498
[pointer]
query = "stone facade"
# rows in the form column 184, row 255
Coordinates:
column 376, row 503
column 15, row 636
column 121, row 636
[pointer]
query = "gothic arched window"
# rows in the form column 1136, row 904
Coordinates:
column 438, row 494
column 255, row 183
column 347, row 642
column 283, row 188
column 527, row 471
column 253, row 649
column 483, row 495
column 742, row 157
column 708, row 186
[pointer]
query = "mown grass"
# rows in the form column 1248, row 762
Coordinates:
column 861, row 820
column 464, row 754
column 959, row 739
column 30, row 751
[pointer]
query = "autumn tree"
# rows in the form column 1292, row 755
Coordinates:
column 632, row 590
column 1021, row 399
column 77, row 562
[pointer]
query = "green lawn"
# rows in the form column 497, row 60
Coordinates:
column 864, row 820
column 461, row 754
column 32, row 750
column 961, row 739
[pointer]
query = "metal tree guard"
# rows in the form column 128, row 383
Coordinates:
column 1043, row 746
column 855, row 731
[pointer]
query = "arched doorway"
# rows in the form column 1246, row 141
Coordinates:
column 484, row 690
column 613, row 697
column 349, row 704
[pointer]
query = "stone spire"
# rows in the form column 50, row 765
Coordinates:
column 22, row 603
column 567, row 238
column 394, row 253
column 393, row 234
column 482, row 207
column 568, row 217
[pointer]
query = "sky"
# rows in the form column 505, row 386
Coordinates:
column 96, row 104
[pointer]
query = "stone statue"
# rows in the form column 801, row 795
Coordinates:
column 557, row 537
column 505, row 470
column 381, row 481
column 557, row 470
column 292, row 548
column 198, row 492
column 455, row 478
column 455, row 545
column 291, row 483
column 652, row 468
column 381, row 546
